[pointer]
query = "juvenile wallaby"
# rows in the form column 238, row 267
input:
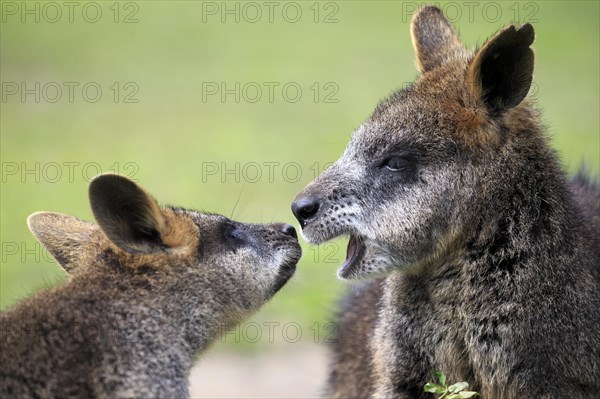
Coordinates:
column 489, row 254
column 150, row 288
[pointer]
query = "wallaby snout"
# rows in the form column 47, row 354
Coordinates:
column 305, row 208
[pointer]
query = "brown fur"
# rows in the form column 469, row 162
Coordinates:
column 489, row 255
column 150, row 289
column 434, row 40
column 360, row 308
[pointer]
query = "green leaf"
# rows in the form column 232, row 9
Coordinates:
column 434, row 388
column 441, row 377
column 452, row 396
column 459, row 386
column 467, row 394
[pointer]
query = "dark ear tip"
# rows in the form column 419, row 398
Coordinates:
column 107, row 179
column 105, row 188
column 527, row 33
column 109, row 183
column 513, row 37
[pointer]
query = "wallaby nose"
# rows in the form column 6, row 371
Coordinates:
column 289, row 230
column 305, row 208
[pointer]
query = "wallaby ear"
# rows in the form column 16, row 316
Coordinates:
column 502, row 70
column 129, row 217
column 434, row 39
column 65, row 237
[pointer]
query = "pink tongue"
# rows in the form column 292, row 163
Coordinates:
column 351, row 248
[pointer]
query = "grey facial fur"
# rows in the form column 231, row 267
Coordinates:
column 483, row 258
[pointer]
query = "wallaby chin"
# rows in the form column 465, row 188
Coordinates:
column 151, row 288
column 453, row 181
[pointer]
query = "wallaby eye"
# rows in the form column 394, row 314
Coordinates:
column 399, row 161
column 403, row 165
column 395, row 163
column 234, row 235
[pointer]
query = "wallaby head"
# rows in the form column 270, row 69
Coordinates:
column 203, row 255
column 405, row 188
column 151, row 287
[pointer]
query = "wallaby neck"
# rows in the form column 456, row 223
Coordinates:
column 149, row 308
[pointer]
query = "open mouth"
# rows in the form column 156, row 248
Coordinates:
column 354, row 253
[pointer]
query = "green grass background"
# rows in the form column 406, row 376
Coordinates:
column 170, row 132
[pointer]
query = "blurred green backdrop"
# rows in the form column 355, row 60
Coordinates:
column 233, row 107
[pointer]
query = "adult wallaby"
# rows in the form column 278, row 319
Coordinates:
column 489, row 254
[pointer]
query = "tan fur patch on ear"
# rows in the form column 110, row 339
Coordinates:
column 153, row 215
column 178, row 232
column 473, row 126
column 475, row 129
column 471, row 119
